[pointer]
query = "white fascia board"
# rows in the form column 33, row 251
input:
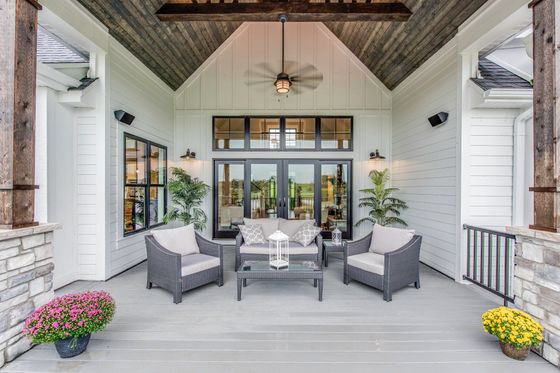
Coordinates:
column 500, row 98
column 49, row 77
column 83, row 98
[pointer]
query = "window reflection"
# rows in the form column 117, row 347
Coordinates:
column 334, row 197
column 230, row 196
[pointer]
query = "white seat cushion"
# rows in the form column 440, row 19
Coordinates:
column 369, row 262
column 387, row 239
column 295, row 248
column 290, row 227
column 195, row 263
column 269, row 226
column 180, row 240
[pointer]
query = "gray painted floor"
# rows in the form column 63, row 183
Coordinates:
column 281, row 327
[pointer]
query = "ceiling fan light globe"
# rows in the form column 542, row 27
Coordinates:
column 282, row 85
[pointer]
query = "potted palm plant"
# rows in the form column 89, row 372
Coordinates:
column 384, row 209
column 187, row 194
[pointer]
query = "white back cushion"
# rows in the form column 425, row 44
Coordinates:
column 269, row 226
column 290, row 227
column 387, row 239
column 180, row 240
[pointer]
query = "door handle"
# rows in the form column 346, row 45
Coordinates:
column 284, row 201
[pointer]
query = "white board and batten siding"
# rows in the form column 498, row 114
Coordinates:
column 425, row 163
column 220, row 87
column 136, row 90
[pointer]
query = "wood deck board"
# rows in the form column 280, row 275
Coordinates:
column 280, row 327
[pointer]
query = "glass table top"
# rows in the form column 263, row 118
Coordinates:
column 294, row 266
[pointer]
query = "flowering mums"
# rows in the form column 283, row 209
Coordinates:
column 513, row 327
column 70, row 316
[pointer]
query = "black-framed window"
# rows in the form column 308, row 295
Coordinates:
column 282, row 133
column 145, row 184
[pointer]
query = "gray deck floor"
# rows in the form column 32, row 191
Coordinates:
column 281, row 327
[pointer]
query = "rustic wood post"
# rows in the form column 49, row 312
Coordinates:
column 546, row 66
column 18, row 54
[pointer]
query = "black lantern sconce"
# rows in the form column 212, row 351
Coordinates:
column 189, row 155
column 375, row 155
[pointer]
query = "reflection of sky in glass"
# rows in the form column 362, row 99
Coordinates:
column 330, row 170
column 302, row 174
column 235, row 172
column 263, row 171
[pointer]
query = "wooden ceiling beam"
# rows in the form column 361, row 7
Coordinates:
column 297, row 11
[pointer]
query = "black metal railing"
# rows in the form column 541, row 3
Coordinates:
column 490, row 260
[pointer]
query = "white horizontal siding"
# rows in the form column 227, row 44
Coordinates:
column 425, row 163
column 136, row 90
column 490, row 168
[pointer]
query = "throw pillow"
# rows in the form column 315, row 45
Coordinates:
column 387, row 239
column 290, row 227
column 180, row 240
column 269, row 226
column 252, row 234
column 306, row 234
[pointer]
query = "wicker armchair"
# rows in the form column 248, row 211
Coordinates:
column 177, row 273
column 262, row 253
column 399, row 268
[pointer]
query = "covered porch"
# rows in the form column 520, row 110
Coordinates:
column 280, row 327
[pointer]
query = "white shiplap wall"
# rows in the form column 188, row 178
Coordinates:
column 425, row 163
column 219, row 87
column 134, row 89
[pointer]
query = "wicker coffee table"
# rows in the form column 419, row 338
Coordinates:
column 297, row 270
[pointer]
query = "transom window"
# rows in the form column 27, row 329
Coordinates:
column 282, row 133
column 145, row 184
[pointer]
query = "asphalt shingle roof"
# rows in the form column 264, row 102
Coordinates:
column 494, row 76
column 52, row 50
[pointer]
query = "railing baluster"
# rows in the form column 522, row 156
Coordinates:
column 498, row 263
column 506, row 272
column 475, row 259
column 482, row 258
column 490, row 236
column 468, row 252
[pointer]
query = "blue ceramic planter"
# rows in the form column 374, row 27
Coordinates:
column 70, row 347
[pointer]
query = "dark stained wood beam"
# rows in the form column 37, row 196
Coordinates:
column 18, row 56
column 297, row 11
column 546, row 117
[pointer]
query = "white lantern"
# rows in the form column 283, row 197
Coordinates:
column 336, row 236
column 279, row 250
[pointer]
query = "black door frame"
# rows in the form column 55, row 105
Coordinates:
column 281, row 190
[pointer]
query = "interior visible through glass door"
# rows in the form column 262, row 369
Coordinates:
column 334, row 197
column 264, row 190
column 301, row 191
column 230, row 196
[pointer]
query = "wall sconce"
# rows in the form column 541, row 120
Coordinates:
column 376, row 155
column 124, row 117
column 439, row 118
column 189, row 155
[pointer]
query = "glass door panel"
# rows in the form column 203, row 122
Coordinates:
column 230, row 186
column 264, row 190
column 335, row 197
column 300, row 191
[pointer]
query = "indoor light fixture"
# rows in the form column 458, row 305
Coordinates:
column 189, row 155
column 376, row 155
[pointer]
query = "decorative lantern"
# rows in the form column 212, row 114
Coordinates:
column 336, row 236
column 279, row 250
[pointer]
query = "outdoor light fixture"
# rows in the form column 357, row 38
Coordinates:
column 283, row 83
column 189, row 155
column 124, row 117
column 376, row 155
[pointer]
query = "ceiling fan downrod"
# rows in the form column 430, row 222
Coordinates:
column 283, row 81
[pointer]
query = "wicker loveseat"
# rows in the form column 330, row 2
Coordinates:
column 388, row 272
column 244, row 252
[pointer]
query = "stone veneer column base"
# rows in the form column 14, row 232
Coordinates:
column 26, row 281
column 537, row 284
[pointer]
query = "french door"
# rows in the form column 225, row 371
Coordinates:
column 294, row 189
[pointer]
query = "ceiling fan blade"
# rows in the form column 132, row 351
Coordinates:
column 307, row 70
column 266, row 69
column 295, row 90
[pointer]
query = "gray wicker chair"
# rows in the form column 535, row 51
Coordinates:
column 165, row 267
column 240, row 257
column 400, row 268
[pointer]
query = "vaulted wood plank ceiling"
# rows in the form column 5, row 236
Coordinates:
column 174, row 50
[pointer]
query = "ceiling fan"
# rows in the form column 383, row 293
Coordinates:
column 309, row 77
